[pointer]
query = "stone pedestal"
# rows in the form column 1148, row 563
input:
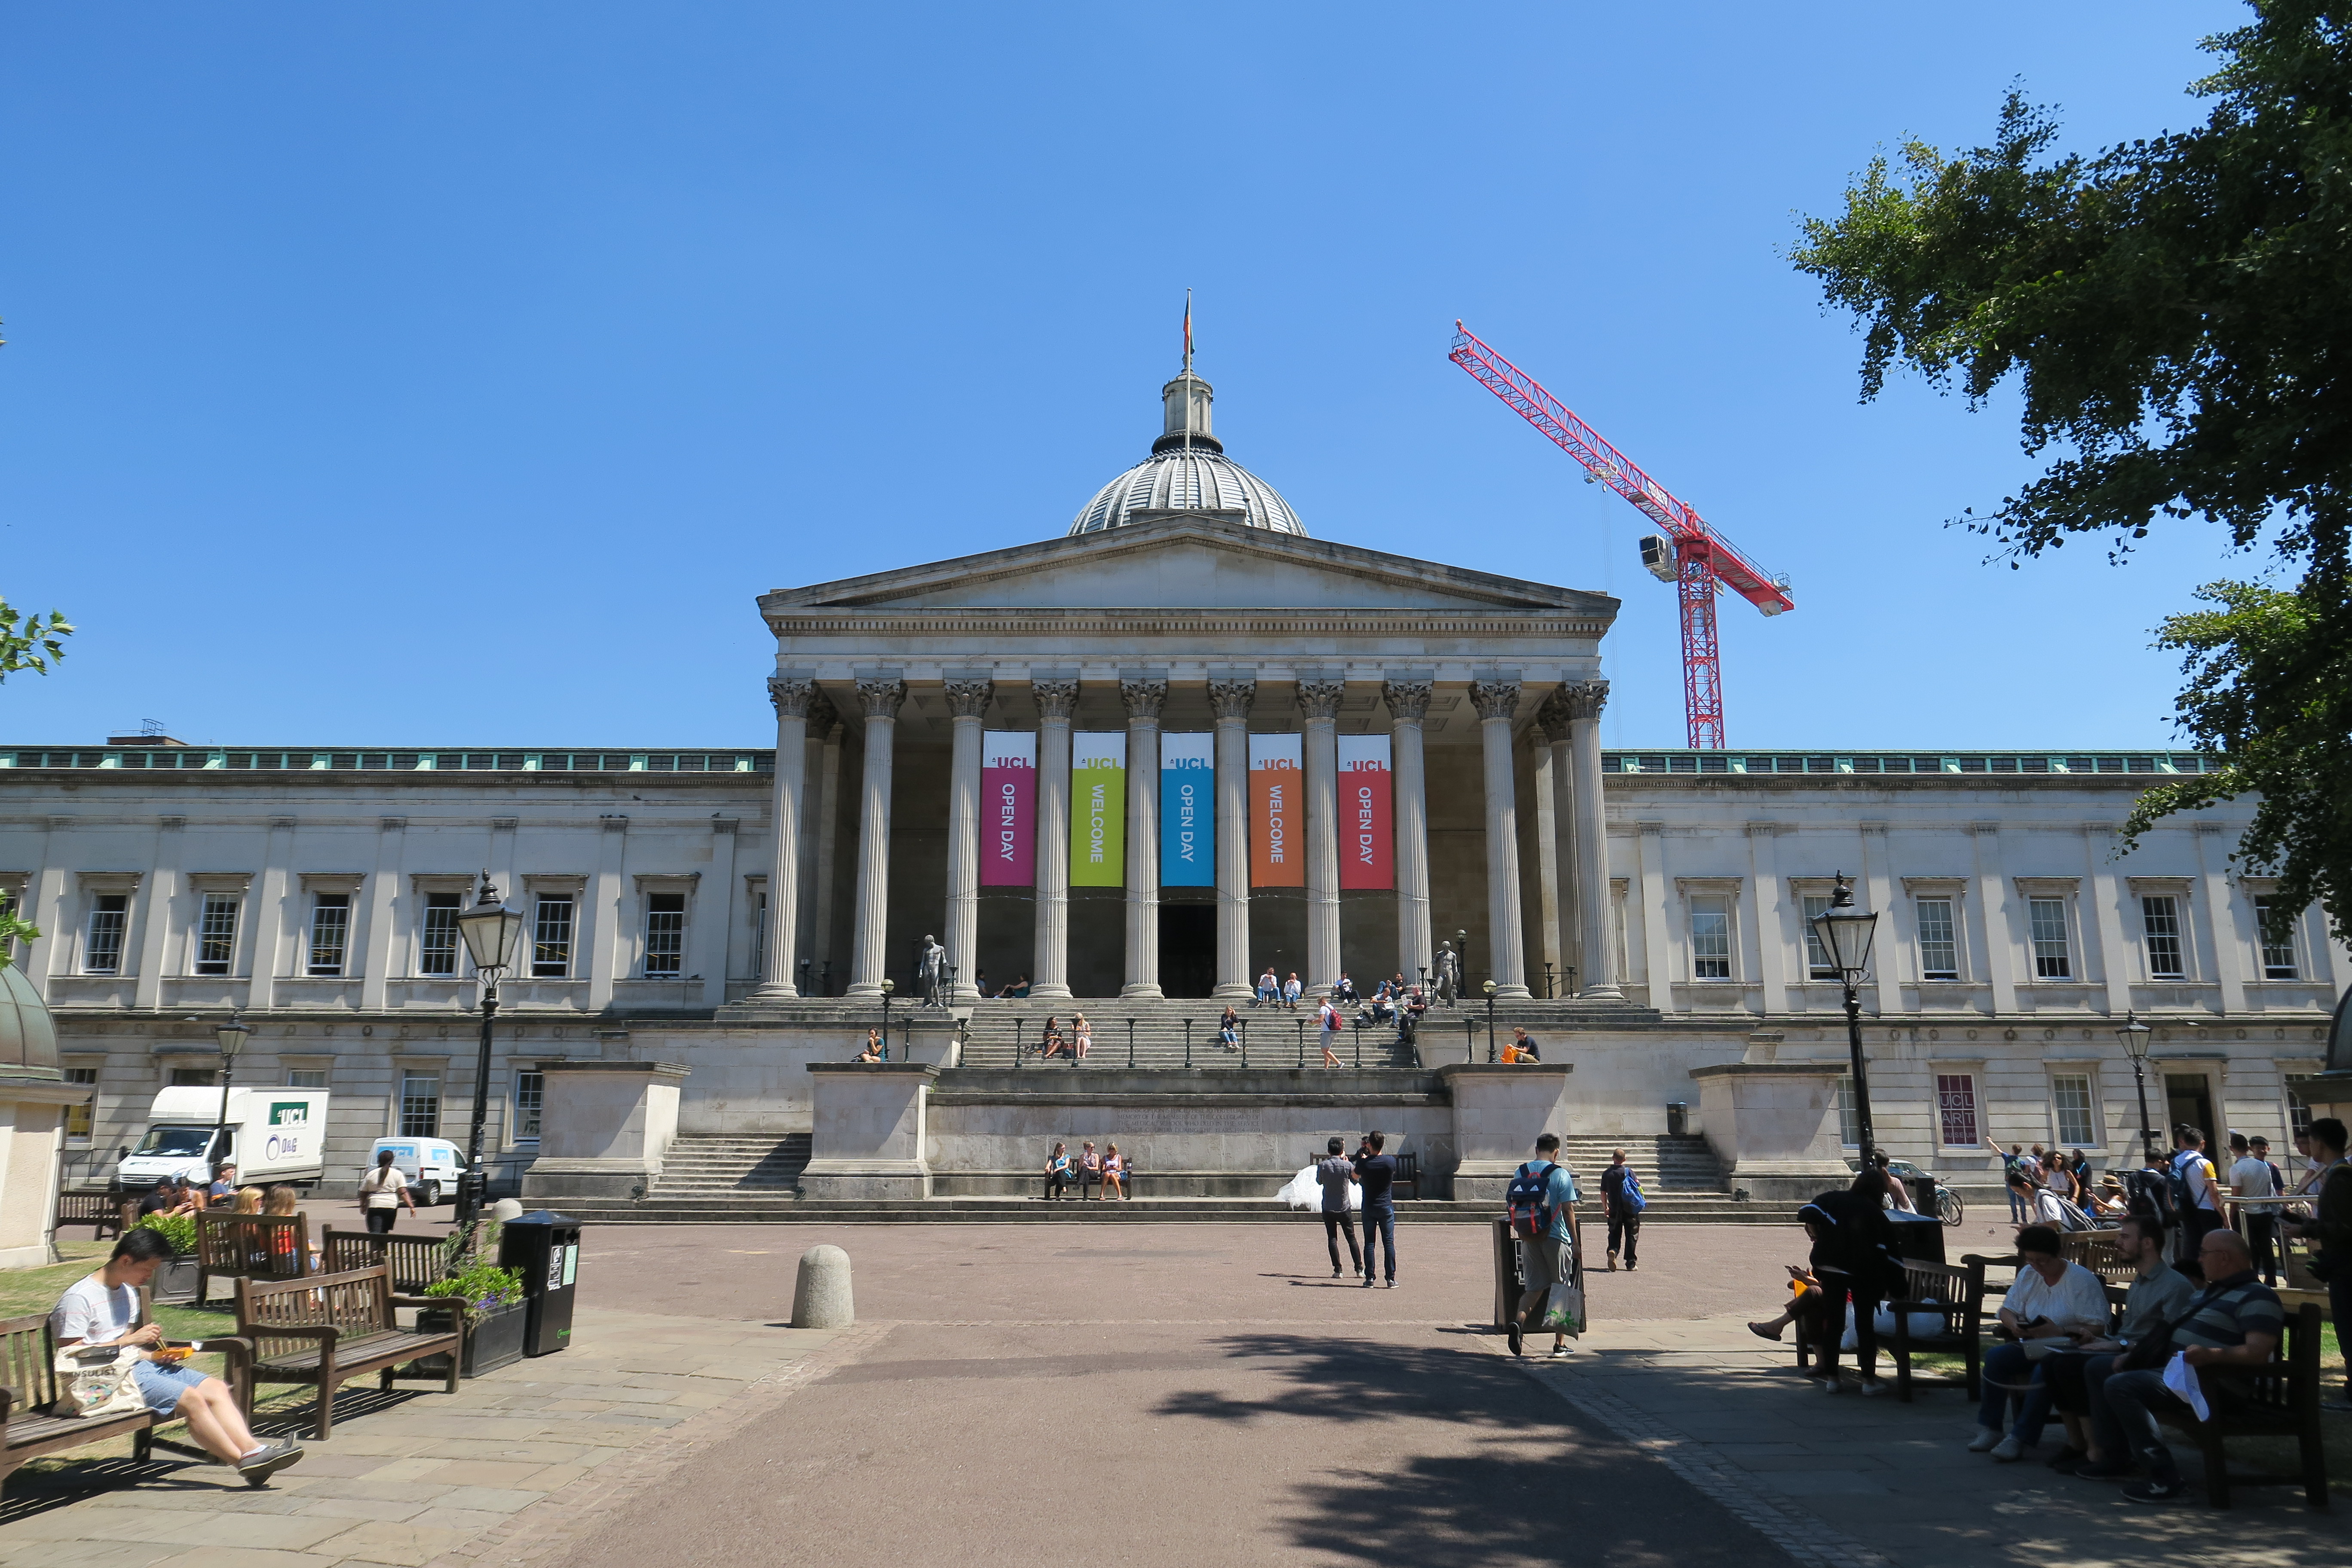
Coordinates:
column 868, row 1140
column 1498, row 1111
column 605, row 1129
column 1774, row 1126
column 933, row 1038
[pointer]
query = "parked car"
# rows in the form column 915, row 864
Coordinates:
column 431, row 1164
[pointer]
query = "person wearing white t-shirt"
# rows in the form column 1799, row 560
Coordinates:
column 2250, row 1177
column 102, row 1309
column 381, row 1192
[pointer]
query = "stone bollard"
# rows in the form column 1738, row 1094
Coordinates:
column 821, row 1294
column 506, row 1209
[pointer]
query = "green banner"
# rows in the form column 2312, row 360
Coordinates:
column 1099, row 809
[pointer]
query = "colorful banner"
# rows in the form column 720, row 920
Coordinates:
column 1008, row 808
column 1367, row 830
column 1099, row 809
column 1188, row 811
column 1277, row 812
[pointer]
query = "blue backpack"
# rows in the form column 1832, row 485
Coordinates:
column 1629, row 1194
column 1528, row 1198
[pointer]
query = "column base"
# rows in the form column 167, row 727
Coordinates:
column 963, row 995
column 862, row 991
column 783, row 992
column 1513, row 993
column 1146, row 989
column 1237, row 991
column 1050, row 993
column 1600, row 994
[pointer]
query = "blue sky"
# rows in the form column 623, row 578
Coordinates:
column 435, row 373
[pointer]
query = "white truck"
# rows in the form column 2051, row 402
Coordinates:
column 272, row 1134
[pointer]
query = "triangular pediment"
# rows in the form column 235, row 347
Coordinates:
column 1193, row 561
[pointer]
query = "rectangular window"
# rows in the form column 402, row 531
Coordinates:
column 2275, row 921
column 2046, row 919
column 331, row 932
column 760, row 934
column 102, row 954
column 1956, row 1109
column 2298, row 1113
column 437, row 953
column 1710, row 932
column 665, row 933
column 1817, row 957
column 530, row 1093
column 2069, row 1093
column 216, row 934
column 1849, row 1117
column 420, row 1105
column 78, row 1117
column 550, row 938
column 1939, row 947
column 2161, row 919
column 306, row 1078
column 194, row 1078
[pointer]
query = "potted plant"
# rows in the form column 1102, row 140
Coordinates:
column 488, row 1300
column 176, row 1280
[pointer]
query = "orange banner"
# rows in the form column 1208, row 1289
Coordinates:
column 1277, row 812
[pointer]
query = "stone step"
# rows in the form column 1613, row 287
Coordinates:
column 662, row 1210
column 711, row 1169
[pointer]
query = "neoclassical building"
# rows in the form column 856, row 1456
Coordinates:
column 1137, row 765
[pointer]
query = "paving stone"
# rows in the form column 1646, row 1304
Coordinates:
column 406, row 1545
column 488, row 1500
column 360, row 1508
column 246, row 1557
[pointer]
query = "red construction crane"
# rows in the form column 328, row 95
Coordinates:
column 1698, row 561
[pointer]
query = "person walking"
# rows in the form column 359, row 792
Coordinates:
column 1621, row 1191
column 1547, row 1257
column 1335, row 1176
column 1327, row 1027
column 1377, row 1173
column 381, row 1192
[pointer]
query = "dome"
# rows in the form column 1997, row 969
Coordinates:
column 1188, row 471
column 28, row 1037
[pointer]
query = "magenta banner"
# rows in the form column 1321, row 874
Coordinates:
column 1008, row 808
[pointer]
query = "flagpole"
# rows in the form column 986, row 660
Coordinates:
column 1188, row 373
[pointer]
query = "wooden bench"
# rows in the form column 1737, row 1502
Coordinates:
column 1408, row 1175
column 105, row 1213
column 1953, row 1292
column 2281, row 1401
column 2097, row 1251
column 327, row 1328
column 28, row 1387
column 413, row 1261
column 250, row 1247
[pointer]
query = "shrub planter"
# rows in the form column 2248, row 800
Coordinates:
column 494, row 1342
column 176, row 1280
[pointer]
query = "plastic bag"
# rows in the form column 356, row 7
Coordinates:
column 1355, row 1197
column 1302, row 1191
column 104, row 1380
column 1564, row 1311
column 1923, row 1325
column 2182, row 1380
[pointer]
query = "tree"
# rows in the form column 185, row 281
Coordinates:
column 28, row 642
column 2173, row 311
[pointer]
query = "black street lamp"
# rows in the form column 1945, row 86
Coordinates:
column 2135, row 1037
column 1461, row 957
column 492, row 932
column 888, row 985
column 1845, row 935
column 1490, row 1020
column 232, row 1037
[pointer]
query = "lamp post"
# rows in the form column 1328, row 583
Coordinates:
column 1490, row 1020
column 2136, row 1035
column 492, row 931
column 232, row 1037
column 1461, row 957
column 888, row 985
column 1845, row 935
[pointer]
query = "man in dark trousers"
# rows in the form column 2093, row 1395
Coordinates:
column 1378, row 1173
column 1625, row 1219
column 1335, row 1176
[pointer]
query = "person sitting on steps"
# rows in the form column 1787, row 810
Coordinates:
column 1229, row 1031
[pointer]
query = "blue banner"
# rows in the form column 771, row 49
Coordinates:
column 1188, row 811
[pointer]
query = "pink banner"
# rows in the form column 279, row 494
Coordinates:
column 1008, row 808
column 1367, row 837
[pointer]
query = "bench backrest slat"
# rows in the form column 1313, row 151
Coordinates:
column 413, row 1261
column 260, row 1245
column 28, row 1360
column 358, row 1301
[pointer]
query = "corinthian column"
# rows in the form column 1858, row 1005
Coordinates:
column 1565, row 896
column 1319, row 716
column 1408, row 704
column 1585, row 703
column 1230, row 701
column 881, row 697
column 1144, row 699
column 1057, row 701
column 1496, row 701
column 967, row 705
column 786, row 816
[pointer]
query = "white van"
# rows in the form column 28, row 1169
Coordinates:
column 273, row 1134
column 431, row 1164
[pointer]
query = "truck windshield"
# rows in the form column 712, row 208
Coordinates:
column 175, row 1142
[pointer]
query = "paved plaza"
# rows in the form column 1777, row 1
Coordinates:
column 1140, row 1394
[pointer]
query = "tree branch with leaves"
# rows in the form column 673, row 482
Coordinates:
column 28, row 642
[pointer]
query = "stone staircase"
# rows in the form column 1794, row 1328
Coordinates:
column 728, row 1169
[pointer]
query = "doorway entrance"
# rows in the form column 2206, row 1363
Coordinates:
column 2187, row 1097
column 1188, row 948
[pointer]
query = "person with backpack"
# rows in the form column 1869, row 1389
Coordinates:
column 2195, row 1186
column 1327, row 1024
column 1621, row 1194
column 1539, row 1199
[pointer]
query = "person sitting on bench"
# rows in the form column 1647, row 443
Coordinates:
column 99, row 1310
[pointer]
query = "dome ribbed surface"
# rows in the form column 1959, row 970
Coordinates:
column 28, row 1037
column 1197, row 480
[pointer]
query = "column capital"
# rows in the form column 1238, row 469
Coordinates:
column 881, row 696
column 1552, row 714
column 1538, row 731
column 1583, row 699
column 792, row 695
column 823, row 717
column 1056, row 699
column 1321, row 700
column 1144, row 699
column 1231, row 698
column 1408, row 701
column 969, row 698
column 1494, row 699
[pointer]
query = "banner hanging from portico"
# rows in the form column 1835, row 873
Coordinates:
column 1277, row 811
column 1099, row 809
column 1008, row 808
column 1366, row 831
column 1188, row 813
